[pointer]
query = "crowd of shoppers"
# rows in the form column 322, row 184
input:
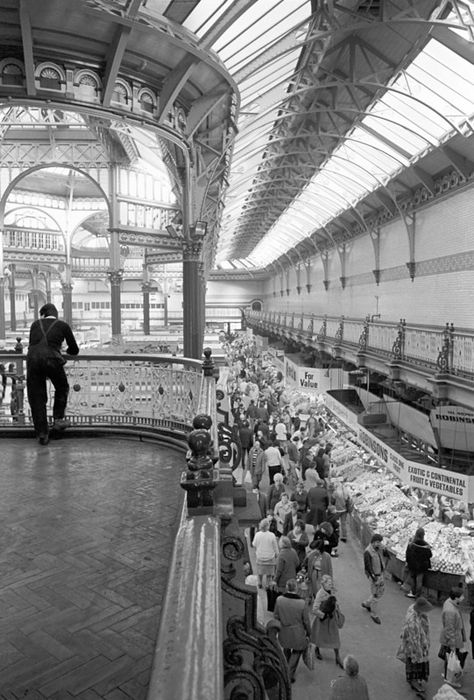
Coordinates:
column 307, row 516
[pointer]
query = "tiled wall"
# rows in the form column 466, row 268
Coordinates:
column 443, row 288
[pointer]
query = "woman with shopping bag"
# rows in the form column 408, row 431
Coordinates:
column 453, row 635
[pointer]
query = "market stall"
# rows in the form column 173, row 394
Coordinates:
column 383, row 504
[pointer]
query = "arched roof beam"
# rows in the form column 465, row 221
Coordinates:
column 27, row 42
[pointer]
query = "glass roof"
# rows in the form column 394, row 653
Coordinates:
column 429, row 100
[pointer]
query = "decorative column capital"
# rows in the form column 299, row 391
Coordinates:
column 115, row 276
column 67, row 287
column 192, row 249
column 146, row 287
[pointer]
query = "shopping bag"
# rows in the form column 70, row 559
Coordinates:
column 272, row 595
column 308, row 656
column 443, row 652
column 453, row 670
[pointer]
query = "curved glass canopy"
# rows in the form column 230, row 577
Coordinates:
column 418, row 108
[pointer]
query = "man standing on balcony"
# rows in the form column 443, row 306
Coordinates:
column 44, row 361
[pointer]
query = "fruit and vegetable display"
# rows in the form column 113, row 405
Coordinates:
column 390, row 508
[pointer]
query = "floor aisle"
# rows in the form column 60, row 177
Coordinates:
column 86, row 540
column 373, row 645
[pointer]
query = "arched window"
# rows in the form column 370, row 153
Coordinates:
column 256, row 305
column 12, row 74
column 120, row 94
column 50, row 79
column 146, row 102
column 88, row 86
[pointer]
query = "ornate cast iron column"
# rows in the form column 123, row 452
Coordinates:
column 12, row 292
column 66, row 288
column 115, row 279
column 146, row 289
column 2, row 306
column 192, row 299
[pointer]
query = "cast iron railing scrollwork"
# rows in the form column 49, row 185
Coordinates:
column 364, row 336
column 230, row 450
column 445, row 357
column 254, row 665
column 398, row 347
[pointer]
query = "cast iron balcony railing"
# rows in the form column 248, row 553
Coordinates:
column 440, row 349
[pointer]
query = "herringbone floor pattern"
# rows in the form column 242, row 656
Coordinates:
column 87, row 529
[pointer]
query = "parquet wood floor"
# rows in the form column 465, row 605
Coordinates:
column 87, row 530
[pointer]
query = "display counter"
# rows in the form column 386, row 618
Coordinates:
column 437, row 584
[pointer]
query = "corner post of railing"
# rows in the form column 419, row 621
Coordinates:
column 207, row 399
column 18, row 384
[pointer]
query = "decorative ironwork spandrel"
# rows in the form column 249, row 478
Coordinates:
column 230, row 451
column 445, row 356
column 340, row 331
column 364, row 336
column 323, row 330
column 254, row 665
column 398, row 347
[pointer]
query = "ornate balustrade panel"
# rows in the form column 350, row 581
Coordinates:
column 382, row 336
column 463, row 353
column 352, row 330
column 422, row 345
column 332, row 326
column 125, row 389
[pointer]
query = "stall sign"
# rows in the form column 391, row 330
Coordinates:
column 455, row 427
column 383, row 452
column 440, row 481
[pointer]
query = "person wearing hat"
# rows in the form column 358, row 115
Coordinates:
column 414, row 649
column 374, row 566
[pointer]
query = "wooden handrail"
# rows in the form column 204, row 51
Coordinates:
column 188, row 660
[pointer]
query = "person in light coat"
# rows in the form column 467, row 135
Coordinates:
column 266, row 552
column 453, row 634
column 292, row 613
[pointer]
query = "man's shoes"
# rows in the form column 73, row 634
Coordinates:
column 376, row 619
column 43, row 439
column 343, row 539
column 410, row 595
column 62, row 423
column 366, row 606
